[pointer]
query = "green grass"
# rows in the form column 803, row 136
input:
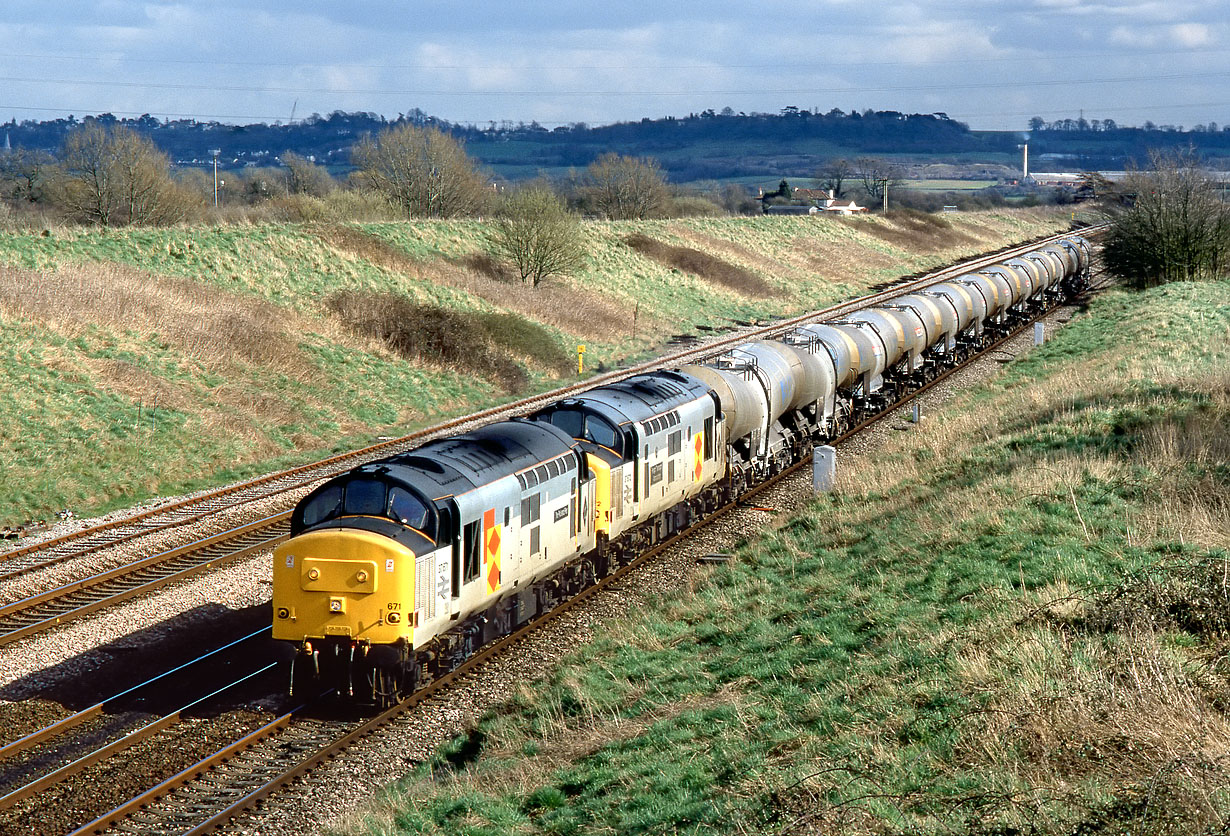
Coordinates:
column 1011, row 620
column 939, row 185
column 227, row 331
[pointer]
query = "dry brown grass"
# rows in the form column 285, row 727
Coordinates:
column 842, row 263
column 553, row 303
column 918, row 232
column 708, row 267
column 761, row 262
column 197, row 330
column 1187, row 509
column 214, row 327
column 371, row 248
column 587, row 314
column 1118, row 711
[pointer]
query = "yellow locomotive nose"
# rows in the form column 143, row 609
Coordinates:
column 343, row 583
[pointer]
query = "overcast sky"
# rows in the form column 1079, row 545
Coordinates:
column 989, row 63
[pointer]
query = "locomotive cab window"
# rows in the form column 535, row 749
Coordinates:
column 571, row 421
column 324, row 505
column 408, row 509
column 600, row 431
column 364, row 497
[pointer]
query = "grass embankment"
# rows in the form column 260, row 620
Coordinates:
column 146, row 361
column 1013, row 619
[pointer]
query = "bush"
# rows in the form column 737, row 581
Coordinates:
column 1176, row 228
column 479, row 343
column 537, row 235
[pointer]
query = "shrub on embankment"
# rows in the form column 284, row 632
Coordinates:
column 1011, row 619
column 140, row 362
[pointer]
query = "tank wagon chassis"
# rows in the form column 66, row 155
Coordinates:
column 606, row 478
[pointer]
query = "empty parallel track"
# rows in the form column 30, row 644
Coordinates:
column 64, row 750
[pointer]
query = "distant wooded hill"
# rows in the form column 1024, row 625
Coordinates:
column 701, row 146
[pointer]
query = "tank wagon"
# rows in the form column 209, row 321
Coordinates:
column 399, row 569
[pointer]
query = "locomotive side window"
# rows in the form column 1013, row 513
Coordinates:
column 531, row 508
column 325, row 505
column 364, row 496
column 471, row 551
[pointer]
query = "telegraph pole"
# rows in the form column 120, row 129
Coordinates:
column 216, row 152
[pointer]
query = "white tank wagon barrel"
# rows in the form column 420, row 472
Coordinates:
column 780, row 397
column 400, row 569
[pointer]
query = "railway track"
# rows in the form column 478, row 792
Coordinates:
column 54, row 607
column 66, row 602
column 65, row 751
column 211, row 793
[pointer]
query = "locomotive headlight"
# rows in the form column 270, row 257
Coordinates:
column 394, row 617
column 283, row 612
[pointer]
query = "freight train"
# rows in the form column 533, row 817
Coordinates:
column 398, row 570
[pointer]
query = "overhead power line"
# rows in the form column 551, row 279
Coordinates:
column 700, row 64
column 886, row 88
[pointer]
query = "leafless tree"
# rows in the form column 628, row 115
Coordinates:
column 1176, row 227
column 24, row 173
column 422, row 169
column 535, row 232
column 832, row 175
column 306, row 177
column 877, row 176
column 114, row 176
column 625, row 188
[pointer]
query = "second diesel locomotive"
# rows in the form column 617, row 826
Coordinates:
column 399, row 569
